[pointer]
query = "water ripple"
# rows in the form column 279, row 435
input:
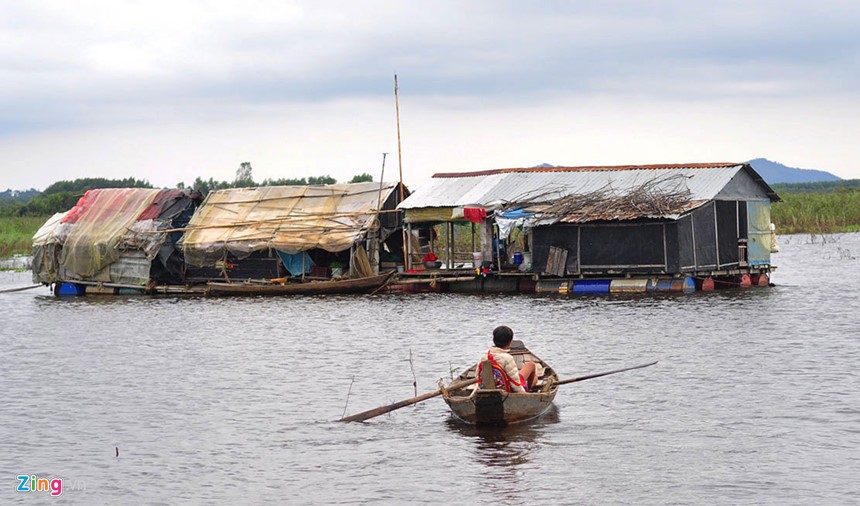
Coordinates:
column 754, row 400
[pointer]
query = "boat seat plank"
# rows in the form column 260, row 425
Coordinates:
column 487, row 374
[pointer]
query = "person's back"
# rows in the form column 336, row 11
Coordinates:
column 505, row 372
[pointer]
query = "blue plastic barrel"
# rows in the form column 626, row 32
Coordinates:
column 584, row 286
column 71, row 289
column 518, row 258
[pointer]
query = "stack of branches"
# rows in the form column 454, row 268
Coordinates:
column 656, row 197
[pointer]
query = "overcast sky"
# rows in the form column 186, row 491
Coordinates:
column 172, row 90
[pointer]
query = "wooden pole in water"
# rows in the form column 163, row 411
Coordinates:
column 406, row 260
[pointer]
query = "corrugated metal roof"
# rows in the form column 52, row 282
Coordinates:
column 495, row 188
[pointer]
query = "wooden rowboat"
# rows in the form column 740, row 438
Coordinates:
column 356, row 285
column 481, row 406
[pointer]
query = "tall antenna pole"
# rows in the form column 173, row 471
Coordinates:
column 406, row 259
column 399, row 151
column 375, row 234
column 381, row 179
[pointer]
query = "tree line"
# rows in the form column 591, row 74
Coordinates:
column 63, row 195
column 817, row 186
column 245, row 179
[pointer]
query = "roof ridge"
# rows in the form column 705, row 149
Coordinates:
column 590, row 168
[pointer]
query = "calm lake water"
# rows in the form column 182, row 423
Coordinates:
column 755, row 400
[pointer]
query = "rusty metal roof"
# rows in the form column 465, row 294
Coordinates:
column 500, row 187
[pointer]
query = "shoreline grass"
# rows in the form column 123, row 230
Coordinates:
column 819, row 213
column 16, row 234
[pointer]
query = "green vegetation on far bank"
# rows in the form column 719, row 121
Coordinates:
column 821, row 213
column 815, row 187
column 16, row 234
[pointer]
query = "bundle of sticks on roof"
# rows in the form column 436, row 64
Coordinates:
column 653, row 198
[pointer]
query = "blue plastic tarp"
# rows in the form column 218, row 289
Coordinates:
column 294, row 263
column 514, row 214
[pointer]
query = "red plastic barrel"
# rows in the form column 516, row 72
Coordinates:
column 760, row 280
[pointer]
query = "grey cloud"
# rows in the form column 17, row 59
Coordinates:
column 483, row 50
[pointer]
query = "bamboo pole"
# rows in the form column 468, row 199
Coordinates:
column 406, row 260
column 374, row 244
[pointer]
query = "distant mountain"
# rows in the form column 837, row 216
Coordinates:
column 774, row 172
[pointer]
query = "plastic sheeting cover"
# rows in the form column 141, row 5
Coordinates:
column 47, row 233
column 291, row 219
column 758, row 219
column 101, row 219
column 298, row 264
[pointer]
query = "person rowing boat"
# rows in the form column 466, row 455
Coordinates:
column 505, row 373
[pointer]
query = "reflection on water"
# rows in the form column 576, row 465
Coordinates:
column 504, row 455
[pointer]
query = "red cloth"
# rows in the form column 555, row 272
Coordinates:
column 83, row 205
column 503, row 381
column 474, row 214
column 429, row 257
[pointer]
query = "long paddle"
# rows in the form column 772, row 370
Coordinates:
column 364, row 415
column 607, row 373
column 456, row 385
column 20, row 289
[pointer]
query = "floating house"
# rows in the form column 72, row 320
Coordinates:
column 633, row 227
column 112, row 239
column 279, row 232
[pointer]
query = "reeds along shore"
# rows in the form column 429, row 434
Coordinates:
column 798, row 213
column 821, row 213
column 16, row 234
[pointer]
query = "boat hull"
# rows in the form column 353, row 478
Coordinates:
column 359, row 285
column 497, row 407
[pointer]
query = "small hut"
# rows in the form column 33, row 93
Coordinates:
column 276, row 232
column 115, row 238
column 698, row 220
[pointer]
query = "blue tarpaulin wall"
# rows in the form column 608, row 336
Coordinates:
column 293, row 263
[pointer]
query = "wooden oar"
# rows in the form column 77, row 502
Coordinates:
column 457, row 385
column 20, row 289
column 607, row 373
column 364, row 415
